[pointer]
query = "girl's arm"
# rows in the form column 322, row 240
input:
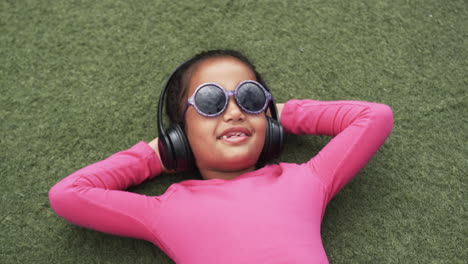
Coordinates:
column 359, row 129
column 93, row 196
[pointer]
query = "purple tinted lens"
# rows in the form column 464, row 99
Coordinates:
column 210, row 100
column 251, row 97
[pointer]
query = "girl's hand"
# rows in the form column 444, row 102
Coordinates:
column 279, row 107
column 154, row 145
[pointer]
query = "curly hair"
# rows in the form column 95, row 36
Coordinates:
column 177, row 86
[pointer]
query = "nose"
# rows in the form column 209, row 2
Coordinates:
column 233, row 112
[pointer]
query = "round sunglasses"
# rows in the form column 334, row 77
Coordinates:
column 211, row 99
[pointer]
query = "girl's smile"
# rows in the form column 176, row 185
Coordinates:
column 235, row 135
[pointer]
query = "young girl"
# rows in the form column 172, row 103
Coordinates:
column 238, row 213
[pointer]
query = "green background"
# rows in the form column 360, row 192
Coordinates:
column 80, row 80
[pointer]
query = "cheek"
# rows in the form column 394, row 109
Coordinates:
column 258, row 123
column 199, row 132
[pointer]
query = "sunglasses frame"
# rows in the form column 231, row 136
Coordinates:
column 191, row 99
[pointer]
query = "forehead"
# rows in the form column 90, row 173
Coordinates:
column 226, row 71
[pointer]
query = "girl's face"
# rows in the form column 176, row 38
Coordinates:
column 214, row 153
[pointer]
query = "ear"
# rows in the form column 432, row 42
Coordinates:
column 279, row 109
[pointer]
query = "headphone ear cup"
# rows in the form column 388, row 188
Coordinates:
column 175, row 151
column 274, row 138
column 166, row 153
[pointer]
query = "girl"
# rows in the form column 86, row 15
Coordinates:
column 237, row 213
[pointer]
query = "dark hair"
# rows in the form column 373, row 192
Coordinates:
column 177, row 86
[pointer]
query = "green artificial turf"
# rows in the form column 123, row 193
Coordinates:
column 80, row 80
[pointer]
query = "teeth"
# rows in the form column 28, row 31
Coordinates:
column 238, row 134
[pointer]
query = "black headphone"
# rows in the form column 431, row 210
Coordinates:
column 174, row 148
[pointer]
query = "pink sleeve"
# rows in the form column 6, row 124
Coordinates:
column 93, row 196
column 359, row 129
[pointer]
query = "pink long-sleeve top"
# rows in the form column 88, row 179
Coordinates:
column 271, row 215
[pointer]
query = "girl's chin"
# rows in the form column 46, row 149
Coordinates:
column 239, row 165
column 236, row 162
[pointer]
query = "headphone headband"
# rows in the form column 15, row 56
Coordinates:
column 162, row 97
